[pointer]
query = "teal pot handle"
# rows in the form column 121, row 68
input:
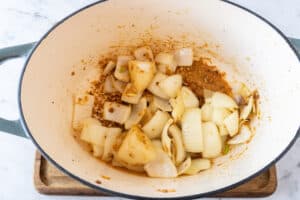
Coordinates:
column 15, row 127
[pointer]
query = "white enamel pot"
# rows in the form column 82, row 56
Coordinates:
column 254, row 50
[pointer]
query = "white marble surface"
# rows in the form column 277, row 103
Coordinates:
column 26, row 20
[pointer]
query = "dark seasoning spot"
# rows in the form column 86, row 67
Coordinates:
column 98, row 182
column 72, row 73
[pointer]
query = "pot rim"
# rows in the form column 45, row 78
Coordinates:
column 112, row 192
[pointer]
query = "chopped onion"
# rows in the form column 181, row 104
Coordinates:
column 143, row 54
column 244, row 91
column 222, row 100
column 207, row 95
column 165, row 139
column 246, row 110
column 131, row 95
column 97, row 150
column 141, row 74
column 192, row 130
column 171, row 85
column 83, row 107
column 178, row 107
column 116, row 112
column 211, row 140
column 155, row 89
column 111, row 136
column 190, row 100
column 161, row 104
column 184, row 166
column 219, row 114
column 137, row 112
column 109, row 67
column 198, row 165
column 121, row 71
column 166, row 63
column 108, row 85
column 243, row 136
column 118, row 85
column 153, row 128
column 184, row 57
column 206, row 112
column 223, row 130
column 176, row 134
column 93, row 132
column 231, row 122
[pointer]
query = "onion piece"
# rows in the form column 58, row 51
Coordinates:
column 143, row 54
column 223, row 130
column 118, row 85
column 184, row 56
column 116, row 162
column 192, row 130
column 211, row 140
column 246, row 110
column 97, row 150
column 111, row 137
column 136, row 148
column 231, row 122
column 154, row 127
column 207, row 95
column 243, row 136
column 198, row 165
column 137, row 112
column 162, row 104
column 83, row 107
column 166, row 63
column 141, row 73
column 109, row 67
column 108, row 85
column 219, row 114
column 184, row 166
column 121, row 71
column 206, row 112
column 190, row 100
column 116, row 112
column 176, row 134
column 171, row 85
column 161, row 167
column 155, row 89
column 178, row 107
column 244, row 91
column 93, row 132
column 165, row 139
column 221, row 100
column 131, row 95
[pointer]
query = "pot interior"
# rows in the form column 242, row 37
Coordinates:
column 240, row 44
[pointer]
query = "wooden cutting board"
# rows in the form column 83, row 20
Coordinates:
column 49, row 180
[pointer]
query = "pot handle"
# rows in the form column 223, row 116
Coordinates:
column 14, row 126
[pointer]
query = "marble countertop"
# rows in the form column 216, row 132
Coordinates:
column 25, row 21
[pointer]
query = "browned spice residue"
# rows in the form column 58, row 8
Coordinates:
column 105, row 177
column 72, row 73
column 166, row 190
column 98, row 182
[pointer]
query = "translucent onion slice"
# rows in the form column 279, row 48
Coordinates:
column 183, row 167
column 166, row 63
column 147, row 116
column 141, row 73
column 162, row 104
column 154, row 127
column 116, row 112
column 244, row 91
column 231, row 123
column 190, row 100
column 136, row 148
column 155, row 89
column 121, row 71
column 246, row 110
column 118, row 85
column 212, row 140
column 83, row 107
column 137, row 112
column 108, row 85
column 165, row 139
column 111, row 137
column 219, row 114
column 223, row 130
column 192, row 130
column 97, row 150
column 206, row 112
column 243, row 136
column 109, row 67
column 157, row 144
column 171, row 85
column 221, row 100
column 184, row 56
column 143, row 54
column 93, row 132
column 131, row 95
column 116, row 162
column 176, row 134
column 161, row 167
column 178, row 107
column 207, row 95
column 198, row 165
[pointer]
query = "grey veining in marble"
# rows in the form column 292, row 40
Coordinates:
column 25, row 21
